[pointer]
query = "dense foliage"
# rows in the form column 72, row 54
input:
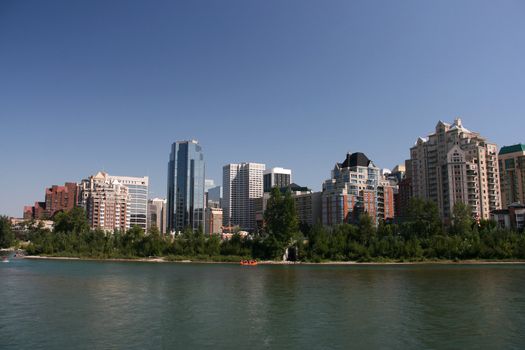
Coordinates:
column 6, row 234
column 282, row 224
column 421, row 236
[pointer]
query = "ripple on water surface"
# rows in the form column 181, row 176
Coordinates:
column 108, row 305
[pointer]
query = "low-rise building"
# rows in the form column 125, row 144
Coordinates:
column 307, row 205
column 21, row 224
column 35, row 212
column 512, row 218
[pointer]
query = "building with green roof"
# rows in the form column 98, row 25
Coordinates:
column 512, row 174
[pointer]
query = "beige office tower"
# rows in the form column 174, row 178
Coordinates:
column 106, row 202
column 456, row 165
column 213, row 222
column 157, row 214
column 243, row 187
column 512, row 174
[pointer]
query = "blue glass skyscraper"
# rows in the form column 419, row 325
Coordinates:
column 185, row 199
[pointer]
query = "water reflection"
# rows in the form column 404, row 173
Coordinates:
column 122, row 305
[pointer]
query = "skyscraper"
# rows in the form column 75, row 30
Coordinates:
column 454, row 165
column 185, row 199
column 214, row 197
column 277, row 177
column 512, row 174
column 243, row 185
column 138, row 199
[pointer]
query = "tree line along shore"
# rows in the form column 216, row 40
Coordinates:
column 419, row 237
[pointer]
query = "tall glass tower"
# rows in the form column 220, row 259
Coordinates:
column 186, row 170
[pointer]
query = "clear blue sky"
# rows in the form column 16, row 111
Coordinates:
column 91, row 85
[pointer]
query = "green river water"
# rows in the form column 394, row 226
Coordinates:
column 51, row 304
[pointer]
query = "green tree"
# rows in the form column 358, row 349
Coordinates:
column 132, row 241
column 7, row 236
column 282, row 224
column 213, row 245
column 318, row 248
column 153, row 244
column 367, row 230
column 487, row 226
column 462, row 220
column 72, row 221
column 423, row 219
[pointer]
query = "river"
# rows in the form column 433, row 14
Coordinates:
column 51, row 304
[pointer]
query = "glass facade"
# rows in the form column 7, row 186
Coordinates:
column 138, row 205
column 186, row 171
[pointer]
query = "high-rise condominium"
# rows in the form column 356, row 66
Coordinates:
column 106, row 202
column 456, row 165
column 242, row 185
column 186, row 171
column 512, row 174
column 356, row 187
column 277, row 177
column 138, row 198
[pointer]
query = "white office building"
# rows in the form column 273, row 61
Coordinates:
column 277, row 177
column 138, row 198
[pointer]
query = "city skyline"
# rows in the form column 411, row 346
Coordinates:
column 165, row 194
column 109, row 86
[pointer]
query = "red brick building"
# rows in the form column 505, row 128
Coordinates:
column 57, row 198
column 61, row 198
column 385, row 201
column 402, row 198
column 35, row 212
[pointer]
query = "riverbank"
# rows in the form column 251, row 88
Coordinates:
column 274, row 262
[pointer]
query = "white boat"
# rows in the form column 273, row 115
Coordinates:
column 5, row 259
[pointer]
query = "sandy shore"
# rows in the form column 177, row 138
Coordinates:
column 156, row 260
column 271, row 262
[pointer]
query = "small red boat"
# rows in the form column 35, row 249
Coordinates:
column 248, row 262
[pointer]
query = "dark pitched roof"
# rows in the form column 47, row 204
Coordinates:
column 355, row 159
column 517, row 205
column 500, row 211
column 294, row 188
